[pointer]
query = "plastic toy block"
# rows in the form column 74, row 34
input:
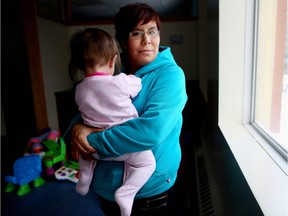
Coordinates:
column 51, row 145
column 24, row 189
column 72, row 164
column 9, row 187
column 38, row 182
column 55, row 154
column 49, row 171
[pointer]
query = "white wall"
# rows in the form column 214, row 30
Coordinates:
column 186, row 54
column 54, row 40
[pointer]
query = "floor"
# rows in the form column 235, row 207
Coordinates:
column 58, row 198
column 52, row 198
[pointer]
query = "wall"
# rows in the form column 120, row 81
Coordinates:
column 54, row 39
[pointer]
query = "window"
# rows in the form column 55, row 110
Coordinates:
column 265, row 170
column 270, row 101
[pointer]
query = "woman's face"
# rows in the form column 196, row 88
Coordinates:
column 143, row 49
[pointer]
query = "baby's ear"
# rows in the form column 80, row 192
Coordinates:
column 112, row 61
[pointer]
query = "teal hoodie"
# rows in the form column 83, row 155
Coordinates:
column 159, row 105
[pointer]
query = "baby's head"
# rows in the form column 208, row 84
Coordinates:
column 90, row 48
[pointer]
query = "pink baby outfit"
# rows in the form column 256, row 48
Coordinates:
column 105, row 101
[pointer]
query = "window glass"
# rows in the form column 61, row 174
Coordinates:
column 271, row 74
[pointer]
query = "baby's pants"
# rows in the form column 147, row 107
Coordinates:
column 138, row 167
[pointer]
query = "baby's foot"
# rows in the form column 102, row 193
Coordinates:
column 85, row 178
column 125, row 201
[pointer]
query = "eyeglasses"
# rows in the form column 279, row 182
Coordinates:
column 137, row 34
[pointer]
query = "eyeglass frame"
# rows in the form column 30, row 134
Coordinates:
column 142, row 33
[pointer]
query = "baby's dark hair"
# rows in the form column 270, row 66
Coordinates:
column 91, row 47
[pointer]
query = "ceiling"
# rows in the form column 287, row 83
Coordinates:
column 96, row 10
column 106, row 9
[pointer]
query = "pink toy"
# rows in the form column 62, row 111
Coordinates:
column 53, row 135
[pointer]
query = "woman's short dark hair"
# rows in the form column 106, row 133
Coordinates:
column 132, row 15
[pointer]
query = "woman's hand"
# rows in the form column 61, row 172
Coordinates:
column 79, row 133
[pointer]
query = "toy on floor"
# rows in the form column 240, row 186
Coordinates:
column 50, row 147
column 70, row 172
column 26, row 169
column 56, row 153
column 35, row 144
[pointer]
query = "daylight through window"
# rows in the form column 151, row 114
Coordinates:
column 271, row 74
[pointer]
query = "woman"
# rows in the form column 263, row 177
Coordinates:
column 104, row 101
column 159, row 105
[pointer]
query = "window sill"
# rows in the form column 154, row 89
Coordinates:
column 267, row 180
